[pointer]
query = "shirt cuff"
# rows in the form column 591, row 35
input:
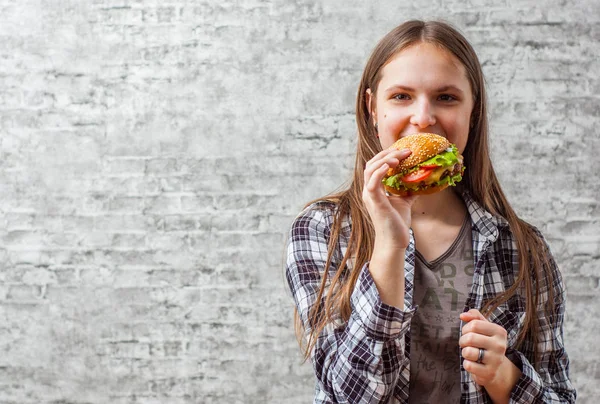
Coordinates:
column 381, row 321
column 527, row 389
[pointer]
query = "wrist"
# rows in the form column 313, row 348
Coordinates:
column 501, row 387
column 512, row 373
column 387, row 270
column 389, row 245
column 388, row 258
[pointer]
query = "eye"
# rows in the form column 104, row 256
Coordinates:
column 447, row 97
column 401, row 97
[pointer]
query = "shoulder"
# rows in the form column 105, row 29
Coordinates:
column 321, row 209
column 316, row 217
column 524, row 235
column 535, row 241
column 498, row 227
column 319, row 233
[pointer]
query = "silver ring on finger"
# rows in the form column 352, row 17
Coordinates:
column 481, row 355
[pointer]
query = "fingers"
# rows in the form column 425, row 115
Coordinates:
column 481, row 335
column 483, row 327
column 472, row 314
column 373, row 182
column 478, row 324
column 476, row 369
column 377, row 167
column 391, row 221
column 482, row 364
column 389, row 153
column 475, row 340
column 472, row 354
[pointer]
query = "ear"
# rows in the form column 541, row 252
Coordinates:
column 371, row 106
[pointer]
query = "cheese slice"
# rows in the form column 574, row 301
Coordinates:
column 437, row 174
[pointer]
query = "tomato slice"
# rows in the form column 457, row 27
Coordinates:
column 430, row 166
column 418, row 176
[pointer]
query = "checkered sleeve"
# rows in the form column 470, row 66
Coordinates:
column 359, row 361
column 550, row 383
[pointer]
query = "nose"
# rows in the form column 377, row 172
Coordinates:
column 423, row 115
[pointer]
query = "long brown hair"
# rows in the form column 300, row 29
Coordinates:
column 483, row 187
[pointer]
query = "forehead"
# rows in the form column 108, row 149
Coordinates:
column 424, row 63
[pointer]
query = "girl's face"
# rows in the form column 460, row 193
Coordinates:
column 422, row 89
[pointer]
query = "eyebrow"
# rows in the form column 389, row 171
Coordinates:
column 438, row 90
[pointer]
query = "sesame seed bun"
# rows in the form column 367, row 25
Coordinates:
column 423, row 146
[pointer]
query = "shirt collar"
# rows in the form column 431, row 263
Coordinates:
column 484, row 222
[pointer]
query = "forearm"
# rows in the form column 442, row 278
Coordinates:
column 352, row 362
column 352, row 358
column 387, row 270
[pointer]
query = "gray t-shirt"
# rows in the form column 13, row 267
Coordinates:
column 441, row 288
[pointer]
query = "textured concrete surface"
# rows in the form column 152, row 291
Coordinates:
column 154, row 153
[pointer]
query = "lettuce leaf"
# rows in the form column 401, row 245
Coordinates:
column 447, row 158
column 450, row 180
column 394, row 182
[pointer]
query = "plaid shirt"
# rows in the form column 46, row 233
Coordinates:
column 367, row 358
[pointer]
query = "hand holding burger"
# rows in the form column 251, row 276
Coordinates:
column 434, row 165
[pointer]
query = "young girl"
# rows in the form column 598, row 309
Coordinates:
column 439, row 298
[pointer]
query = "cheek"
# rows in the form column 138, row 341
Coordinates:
column 392, row 118
column 391, row 124
column 457, row 129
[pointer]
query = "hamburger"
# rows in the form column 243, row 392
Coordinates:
column 434, row 164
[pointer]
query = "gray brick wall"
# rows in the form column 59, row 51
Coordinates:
column 154, row 153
